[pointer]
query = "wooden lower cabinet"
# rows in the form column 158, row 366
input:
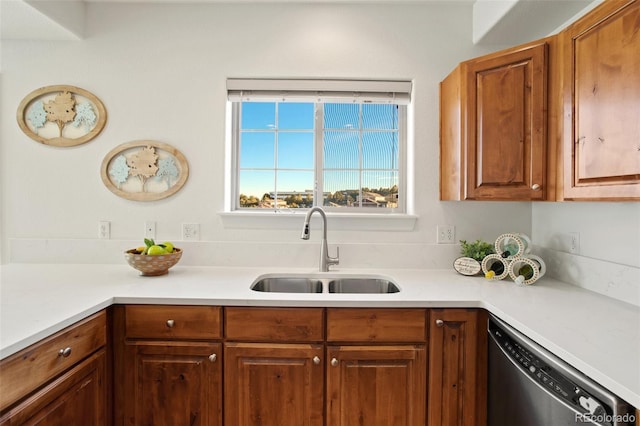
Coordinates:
column 376, row 385
column 341, row 367
column 59, row 381
column 167, row 365
column 77, row 397
column 173, row 384
column 457, row 367
column 273, row 384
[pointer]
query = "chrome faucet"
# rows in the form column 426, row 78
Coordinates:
column 325, row 259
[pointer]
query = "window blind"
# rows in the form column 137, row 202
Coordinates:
column 321, row 91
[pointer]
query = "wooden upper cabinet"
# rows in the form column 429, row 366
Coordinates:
column 601, row 74
column 493, row 137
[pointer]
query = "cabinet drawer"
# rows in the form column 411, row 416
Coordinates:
column 30, row 368
column 172, row 322
column 275, row 324
column 376, row 325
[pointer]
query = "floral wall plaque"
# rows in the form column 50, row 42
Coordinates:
column 61, row 115
column 144, row 170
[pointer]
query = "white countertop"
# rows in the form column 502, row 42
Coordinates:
column 597, row 335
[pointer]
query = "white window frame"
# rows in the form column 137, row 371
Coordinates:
column 318, row 91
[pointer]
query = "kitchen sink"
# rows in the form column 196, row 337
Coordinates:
column 324, row 283
column 287, row 285
column 362, row 285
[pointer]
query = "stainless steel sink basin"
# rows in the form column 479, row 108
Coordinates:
column 362, row 285
column 324, row 283
column 287, row 285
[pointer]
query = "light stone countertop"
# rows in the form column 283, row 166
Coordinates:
column 598, row 335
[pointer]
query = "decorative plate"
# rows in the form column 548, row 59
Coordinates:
column 144, row 170
column 61, row 115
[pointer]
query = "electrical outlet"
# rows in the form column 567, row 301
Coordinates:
column 104, row 229
column 190, row 231
column 446, row 234
column 574, row 242
column 150, row 229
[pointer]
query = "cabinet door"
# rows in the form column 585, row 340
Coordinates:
column 602, row 112
column 273, row 384
column 376, row 385
column 77, row 397
column 506, row 125
column 457, row 367
column 173, row 383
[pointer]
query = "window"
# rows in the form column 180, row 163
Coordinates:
column 340, row 149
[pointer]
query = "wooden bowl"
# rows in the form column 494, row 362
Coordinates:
column 151, row 266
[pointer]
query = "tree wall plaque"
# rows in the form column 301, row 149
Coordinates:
column 61, row 115
column 144, row 170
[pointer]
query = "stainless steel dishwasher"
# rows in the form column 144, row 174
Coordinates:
column 529, row 386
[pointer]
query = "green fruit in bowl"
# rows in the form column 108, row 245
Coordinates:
column 156, row 250
column 168, row 246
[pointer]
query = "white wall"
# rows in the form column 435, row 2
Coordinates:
column 160, row 70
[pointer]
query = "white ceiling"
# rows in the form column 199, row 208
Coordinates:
column 495, row 21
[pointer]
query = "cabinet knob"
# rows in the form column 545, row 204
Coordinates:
column 65, row 352
column 213, row 357
column 334, row 362
column 439, row 323
column 535, row 187
column 170, row 323
column 316, row 360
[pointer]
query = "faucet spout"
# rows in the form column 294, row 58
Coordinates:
column 325, row 259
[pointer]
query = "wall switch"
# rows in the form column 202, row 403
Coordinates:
column 150, row 229
column 104, row 230
column 446, row 234
column 190, row 231
column 574, row 242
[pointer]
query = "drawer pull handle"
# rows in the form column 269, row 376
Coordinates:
column 439, row 323
column 213, row 357
column 334, row 362
column 316, row 360
column 170, row 323
column 64, row 353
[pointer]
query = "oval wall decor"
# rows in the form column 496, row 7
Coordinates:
column 144, row 170
column 61, row 115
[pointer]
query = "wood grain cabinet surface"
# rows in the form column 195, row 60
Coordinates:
column 376, row 366
column 377, row 385
column 493, row 137
column 554, row 119
column 602, row 108
column 60, row 380
column 167, row 365
column 457, row 367
column 298, row 366
column 274, row 370
column 273, row 384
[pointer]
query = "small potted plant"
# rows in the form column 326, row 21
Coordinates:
column 472, row 255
